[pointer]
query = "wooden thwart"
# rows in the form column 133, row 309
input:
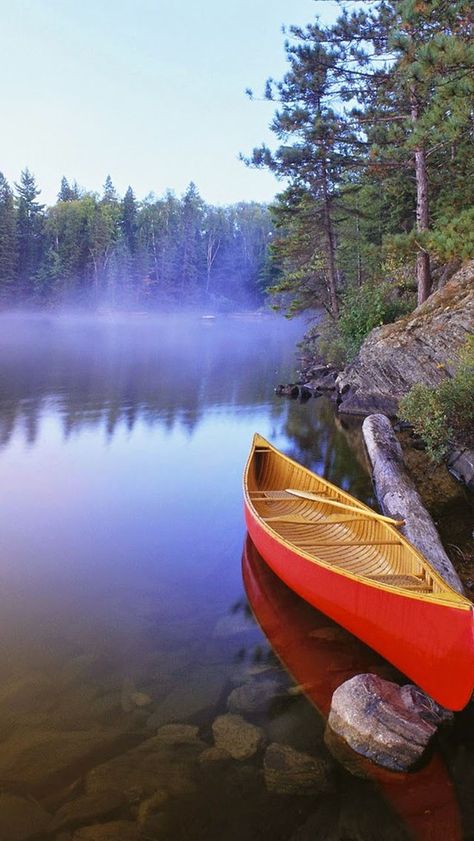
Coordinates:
column 335, row 504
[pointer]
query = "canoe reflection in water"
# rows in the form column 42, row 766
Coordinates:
column 320, row 656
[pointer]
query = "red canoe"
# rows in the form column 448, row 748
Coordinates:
column 355, row 566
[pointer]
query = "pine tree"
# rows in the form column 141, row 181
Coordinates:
column 110, row 194
column 8, row 250
column 29, row 231
column 318, row 148
column 129, row 220
column 66, row 192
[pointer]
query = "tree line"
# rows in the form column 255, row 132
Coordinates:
column 374, row 127
column 96, row 250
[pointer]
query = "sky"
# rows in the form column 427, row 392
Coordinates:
column 151, row 92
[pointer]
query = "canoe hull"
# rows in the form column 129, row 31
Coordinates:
column 432, row 643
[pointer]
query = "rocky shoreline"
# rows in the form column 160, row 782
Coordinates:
column 420, row 348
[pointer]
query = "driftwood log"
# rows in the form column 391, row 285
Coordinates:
column 398, row 497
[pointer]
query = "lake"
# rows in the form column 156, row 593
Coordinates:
column 122, row 605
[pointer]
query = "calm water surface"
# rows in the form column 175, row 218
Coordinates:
column 122, row 605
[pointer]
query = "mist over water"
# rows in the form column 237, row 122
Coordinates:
column 122, row 445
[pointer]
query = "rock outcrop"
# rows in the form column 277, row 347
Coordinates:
column 420, row 348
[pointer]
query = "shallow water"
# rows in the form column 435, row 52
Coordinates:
column 122, row 606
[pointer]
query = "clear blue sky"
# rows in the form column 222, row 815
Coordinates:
column 150, row 91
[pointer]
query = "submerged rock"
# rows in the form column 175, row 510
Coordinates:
column 388, row 724
column 254, row 696
column 288, row 771
column 21, row 819
column 113, row 831
column 85, row 809
column 201, row 690
column 167, row 761
column 33, row 758
column 237, row 737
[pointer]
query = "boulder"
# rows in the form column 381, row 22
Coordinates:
column 237, row 737
column 288, row 771
column 419, row 348
column 388, row 724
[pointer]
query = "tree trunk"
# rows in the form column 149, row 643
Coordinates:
column 331, row 248
column 423, row 269
column 398, row 497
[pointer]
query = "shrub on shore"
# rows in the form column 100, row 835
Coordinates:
column 442, row 416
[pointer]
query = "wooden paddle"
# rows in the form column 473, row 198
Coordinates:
column 361, row 511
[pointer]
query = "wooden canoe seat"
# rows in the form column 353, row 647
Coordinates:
column 407, row 582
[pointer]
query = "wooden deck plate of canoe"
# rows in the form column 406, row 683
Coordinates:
column 354, row 565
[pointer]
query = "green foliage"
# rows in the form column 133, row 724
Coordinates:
column 362, row 309
column 454, row 236
column 366, row 307
column 442, row 416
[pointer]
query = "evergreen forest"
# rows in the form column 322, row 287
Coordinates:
column 374, row 128
column 105, row 251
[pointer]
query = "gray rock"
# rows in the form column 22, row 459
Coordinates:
column 461, row 465
column 421, row 704
column 113, row 831
column 381, row 722
column 254, row 696
column 237, row 737
column 365, row 403
column 83, row 810
column 158, row 763
column 288, row 771
column 322, row 378
column 420, row 348
column 21, row 819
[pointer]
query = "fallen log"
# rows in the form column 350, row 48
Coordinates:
column 398, row 497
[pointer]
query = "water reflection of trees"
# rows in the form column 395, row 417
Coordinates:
column 165, row 370
column 328, row 447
